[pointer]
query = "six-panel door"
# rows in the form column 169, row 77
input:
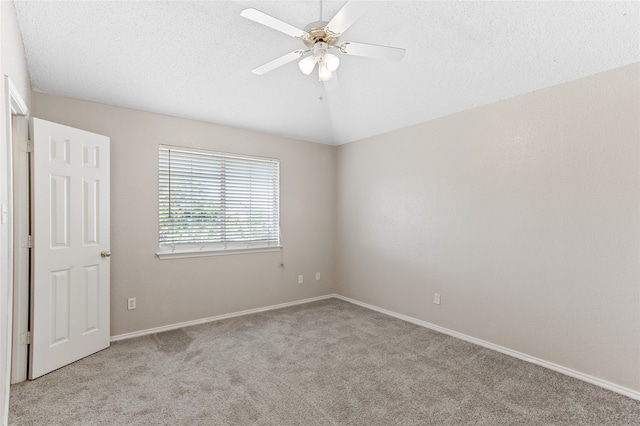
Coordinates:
column 70, row 278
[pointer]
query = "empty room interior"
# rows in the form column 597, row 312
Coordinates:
column 320, row 213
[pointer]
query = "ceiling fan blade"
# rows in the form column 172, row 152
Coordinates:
column 263, row 69
column 372, row 51
column 333, row 84
column 346, row 16
column 271, row 22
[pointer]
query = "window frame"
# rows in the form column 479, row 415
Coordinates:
column 186, row 250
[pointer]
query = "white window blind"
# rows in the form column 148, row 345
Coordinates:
column 214, row 202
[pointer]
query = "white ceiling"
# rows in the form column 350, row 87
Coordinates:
column 193, row 59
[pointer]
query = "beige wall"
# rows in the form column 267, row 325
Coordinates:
column 176, row 290
column 524, row 215
column 13, row 64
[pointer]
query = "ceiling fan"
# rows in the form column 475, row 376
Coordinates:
column 321, row 39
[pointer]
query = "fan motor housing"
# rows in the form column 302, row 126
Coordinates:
column 318, row 32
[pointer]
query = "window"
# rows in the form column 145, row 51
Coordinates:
column 212, row 203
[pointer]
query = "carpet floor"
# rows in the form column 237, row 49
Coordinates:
column 323, row 363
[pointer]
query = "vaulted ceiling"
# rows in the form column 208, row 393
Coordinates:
column 193, row 59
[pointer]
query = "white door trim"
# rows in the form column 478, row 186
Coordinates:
column 21, row 250
column 12, row 104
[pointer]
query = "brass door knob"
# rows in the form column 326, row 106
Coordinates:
column 105, row 253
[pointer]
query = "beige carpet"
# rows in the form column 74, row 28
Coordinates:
column 323, row 363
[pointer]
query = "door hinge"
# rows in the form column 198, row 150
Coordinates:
column 27, row 146
column 28, row 241
column 27, row 338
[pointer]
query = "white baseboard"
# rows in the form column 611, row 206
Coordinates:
column 170, row 327
column 550, row 365
column 528, row 358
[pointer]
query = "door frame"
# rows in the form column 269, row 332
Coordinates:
column 13, row 104
column 21, row 248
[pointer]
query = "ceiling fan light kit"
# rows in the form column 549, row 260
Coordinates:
column 321, row 37
column 327, row 62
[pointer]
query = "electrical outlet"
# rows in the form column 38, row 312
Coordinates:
column 436, row 298
column 131, row 303
column 300, row 279
column 317, row 276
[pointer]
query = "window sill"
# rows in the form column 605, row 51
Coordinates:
column 204, row 253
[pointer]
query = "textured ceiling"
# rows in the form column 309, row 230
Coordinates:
column 193, row 59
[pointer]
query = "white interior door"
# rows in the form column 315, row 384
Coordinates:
column 70, row 287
